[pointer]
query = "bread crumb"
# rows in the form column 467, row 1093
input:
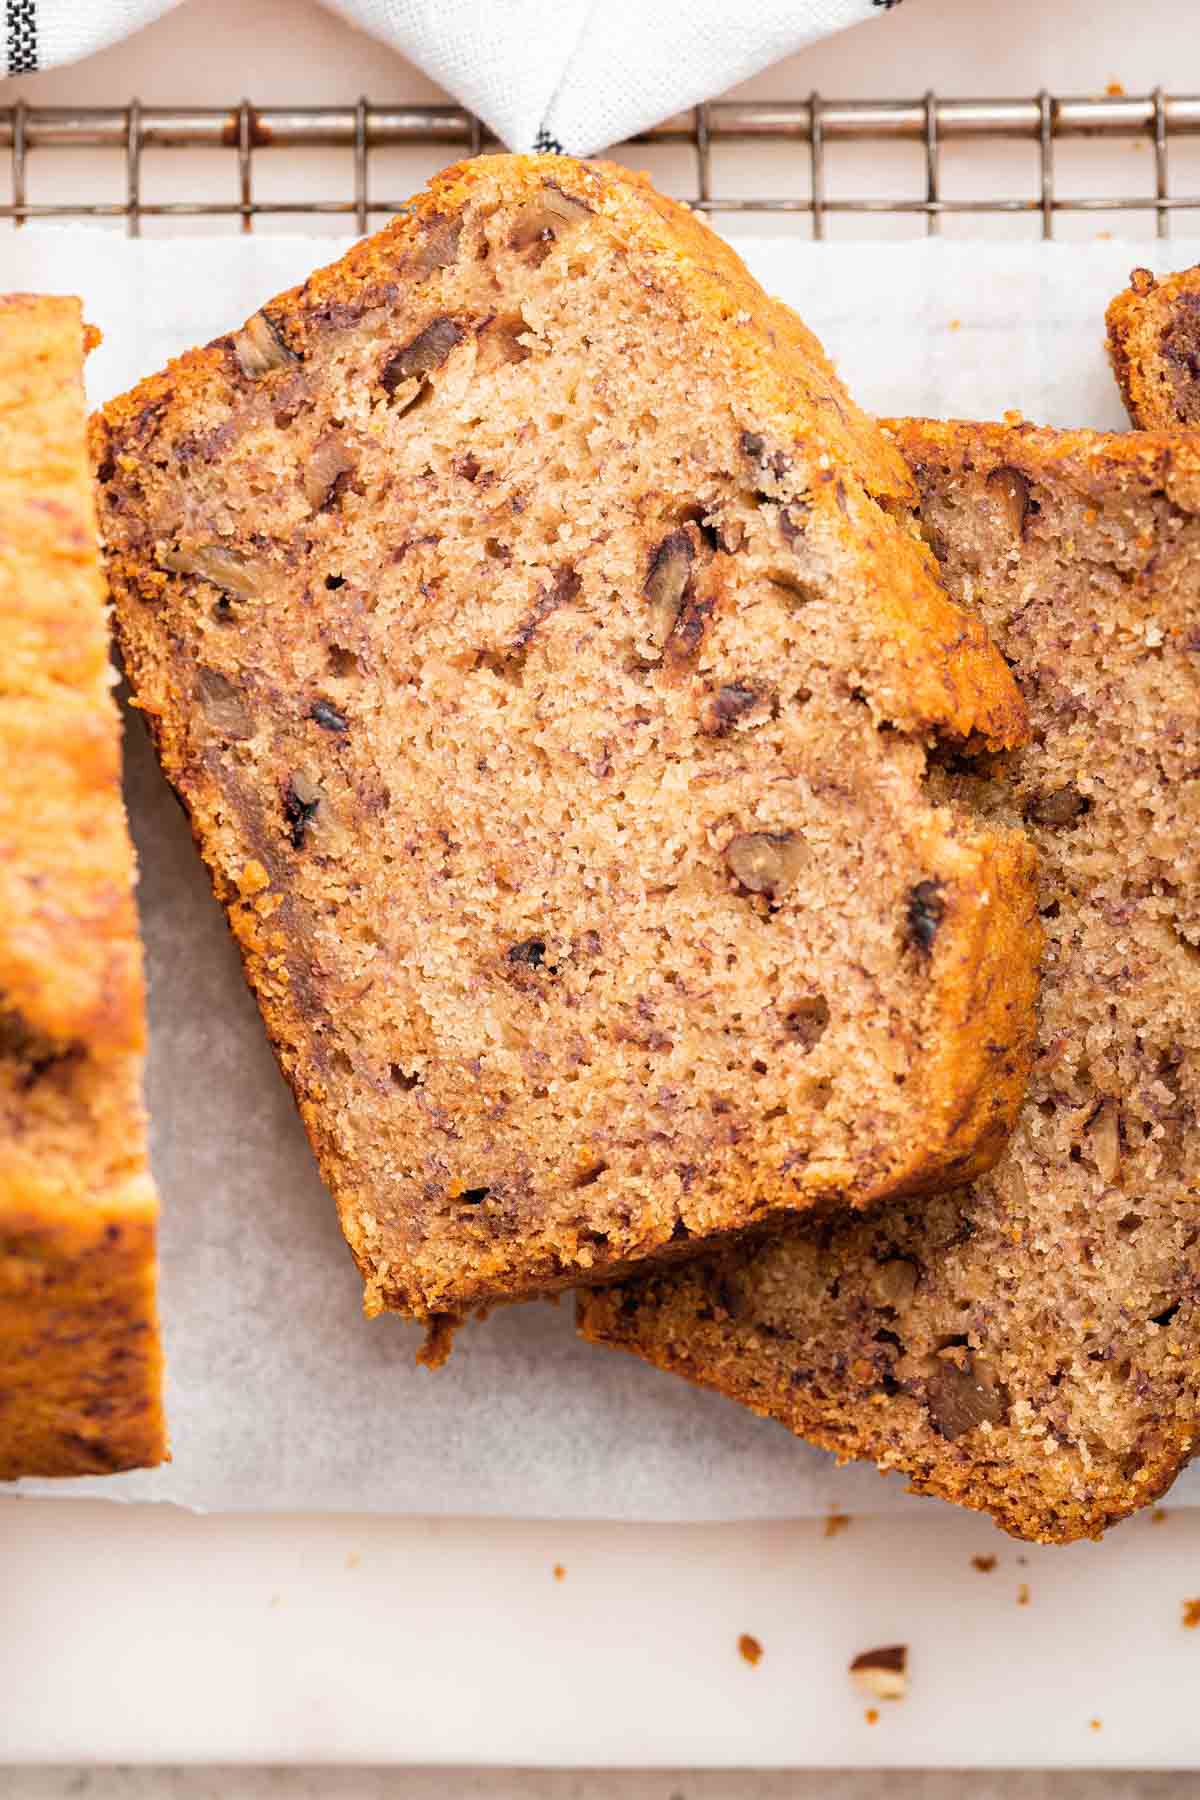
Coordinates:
column 1157, row 1514
column 1191, row 1614
column 956, row 324
column 749, row 1649
column 352, row 1559
column 985, row 1564
column 1023, row 1594
column 1095, row 1724
column 872, row 1715
column 559, row 1572
column 254, row 877
column 1115, row 91
column 835, row 1522
column 882, row 1673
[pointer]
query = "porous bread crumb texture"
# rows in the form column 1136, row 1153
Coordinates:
column 543, row 646
column 80, row 1364
column 1154, row 348
column 1028, row 1346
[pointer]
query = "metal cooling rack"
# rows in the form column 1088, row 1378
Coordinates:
column 247, row 132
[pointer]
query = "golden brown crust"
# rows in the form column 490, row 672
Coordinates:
column 1154, row 349
column 946, row 675
column 1026, row 1347
column 931, row 672
column 80, row 1365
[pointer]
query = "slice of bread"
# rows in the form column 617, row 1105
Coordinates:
column 80, row 1364
column 544, row 649
column 1154, row 348
column 1029, row 1346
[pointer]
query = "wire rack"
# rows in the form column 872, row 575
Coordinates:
column 247, row 133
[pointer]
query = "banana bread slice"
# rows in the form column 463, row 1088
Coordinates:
column 1154, row 348
column 545, row 651
column 1029, row 1346
column 80, row 1365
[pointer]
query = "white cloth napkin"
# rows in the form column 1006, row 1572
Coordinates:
column 573, row 75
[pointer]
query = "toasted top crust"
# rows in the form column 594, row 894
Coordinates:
column 1154, row 348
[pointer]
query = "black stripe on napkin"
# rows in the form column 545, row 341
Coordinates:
column 20, row 36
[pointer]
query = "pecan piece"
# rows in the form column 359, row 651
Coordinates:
column 226, row 568
column 960, row 1399
column 327, row 471
column 547, row 219
column 422, row 354
column 765, row 862
column 666, row 583
column 1010, row 490
column 222, row 705
column 437, row 249
column 259, row 348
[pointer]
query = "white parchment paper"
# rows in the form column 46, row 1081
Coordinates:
column 281, row 1395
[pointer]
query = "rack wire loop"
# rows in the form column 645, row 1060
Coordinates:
column 933, row 121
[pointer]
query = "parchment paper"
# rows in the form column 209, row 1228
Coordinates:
column 281, row 1395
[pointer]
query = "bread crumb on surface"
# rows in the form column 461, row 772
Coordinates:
column 1191, row 1614
column 1157, row 1514
column 559, row 1572
column 882, row 1673
column 1023, row 1594
column 1095, row 1724
column 836, row 1521
column 749, row 1649
column 872, row 1715
column 985, row 1564
column 1114, row 90
column 352, row 1559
